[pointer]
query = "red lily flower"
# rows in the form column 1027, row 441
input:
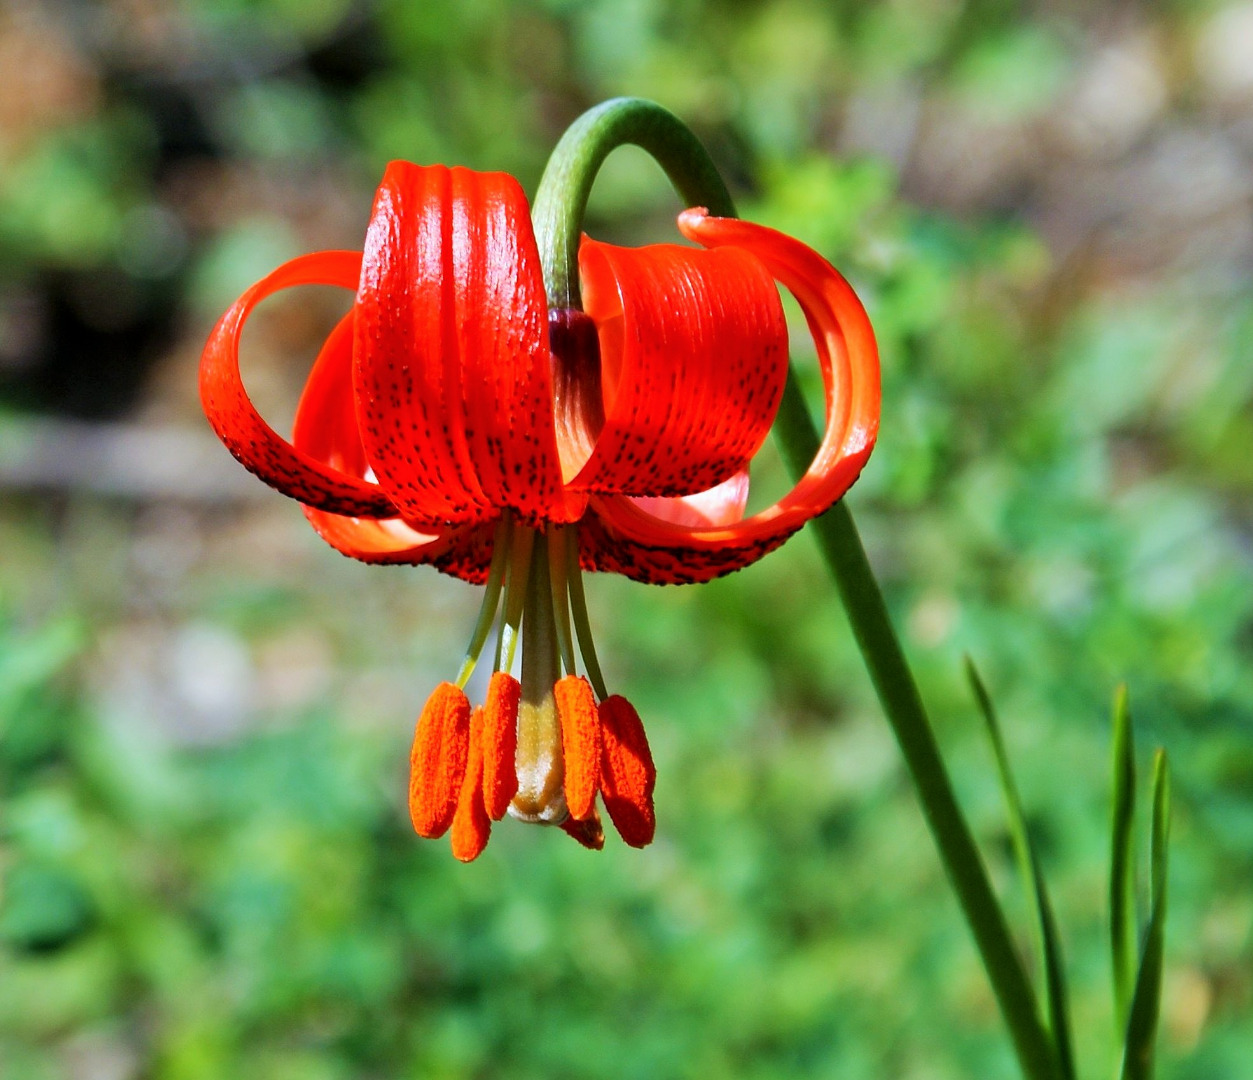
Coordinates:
column 452, row 419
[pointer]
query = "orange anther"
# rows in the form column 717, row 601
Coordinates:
column 500, row 743
column 589, row 832
column 627, row 771
column 471, row 826
column 580, row 743
column 437, row 762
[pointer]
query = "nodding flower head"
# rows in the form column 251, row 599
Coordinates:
column 451, row 418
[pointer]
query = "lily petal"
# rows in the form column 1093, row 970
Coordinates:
column 326, row 430
column 720, row 505
column 451, row 368
column 238, row 424
column 629, row 540
column 693, row 358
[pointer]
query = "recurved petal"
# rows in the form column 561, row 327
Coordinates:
column 506, row 363
column 462, row 551
column 628, row 539
column 452, row 370
column 326, row 430
column 659, row 552
column 693, row 358
column 720, row 505
column 238, row 424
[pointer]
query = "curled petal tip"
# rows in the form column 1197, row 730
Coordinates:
column 242, row 429
column 645, row 545
column 692, row 217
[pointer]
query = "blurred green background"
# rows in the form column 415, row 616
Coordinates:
column 204, row 713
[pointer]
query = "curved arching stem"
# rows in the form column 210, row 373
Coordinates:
column 561, row 198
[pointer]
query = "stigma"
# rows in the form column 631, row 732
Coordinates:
column 540, row 766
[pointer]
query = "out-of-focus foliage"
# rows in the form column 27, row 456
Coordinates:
column 206, row 867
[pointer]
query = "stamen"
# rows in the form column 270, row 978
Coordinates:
column 580, row 744
column 558, row 539
column 582, row 625
column 516, row 589
column 437, row 762
column 588, row 832
column 539, row 759
column 491, row 598
column 500, row 743
column 471, row 826
column 627, row 772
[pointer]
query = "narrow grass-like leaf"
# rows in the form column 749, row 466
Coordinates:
column 1044, row 925
column 1013, row 804
column 1138, row 1049
column 1054, row 974
column 1122, row 914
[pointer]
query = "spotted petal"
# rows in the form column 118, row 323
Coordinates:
column 239, row 425
column 722, row 504
column 451, row 364
column 623, row 537
column 326, row 430
column 693, row 359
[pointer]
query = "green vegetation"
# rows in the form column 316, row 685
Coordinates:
column 205, row 863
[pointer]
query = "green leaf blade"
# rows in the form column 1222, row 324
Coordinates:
column 1141, row 1039
column 1045, row 932
column 1122, row 918
column 1054, row 976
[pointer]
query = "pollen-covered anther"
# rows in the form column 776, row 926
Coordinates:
column 580, row 744
column 471, row 826
column 627, row 773
column 437, row 762
column 500, row 743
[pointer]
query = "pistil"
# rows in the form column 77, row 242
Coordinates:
column 539, row 759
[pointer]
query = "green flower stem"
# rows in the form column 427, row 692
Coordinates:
column 558, row 216
column 561, row 198
column 845, row 557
